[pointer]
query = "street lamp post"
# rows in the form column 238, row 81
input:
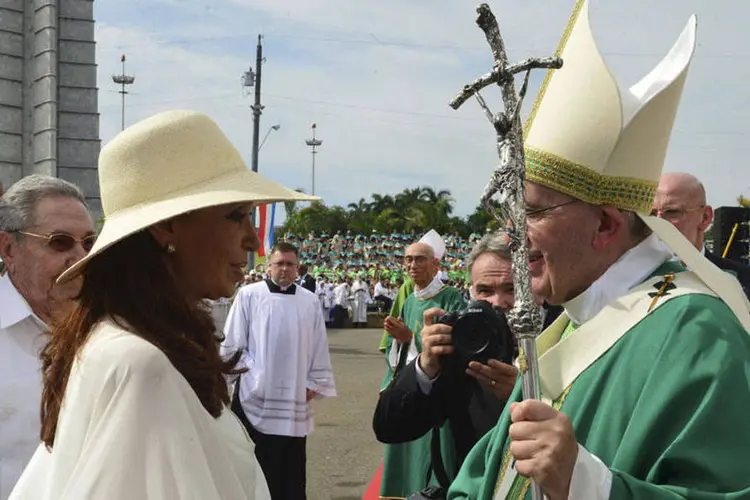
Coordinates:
column 123, row 80
column 313, row 143
column 253, row 79
column 273, row 127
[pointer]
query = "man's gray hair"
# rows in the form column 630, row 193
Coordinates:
column 18, row 204
column 495, row 242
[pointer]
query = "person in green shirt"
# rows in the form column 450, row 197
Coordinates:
column 644, row 378
column 407, row 466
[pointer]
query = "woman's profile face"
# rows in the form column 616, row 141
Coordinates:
column 211, row 249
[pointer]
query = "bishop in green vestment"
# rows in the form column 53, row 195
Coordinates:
column 664, row 410
column 407, row 467
column 645, row 380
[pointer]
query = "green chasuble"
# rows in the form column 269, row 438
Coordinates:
column 666, row 409
column 406, row 467
column 398, row 303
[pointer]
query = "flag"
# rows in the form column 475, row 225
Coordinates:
column 266, row 215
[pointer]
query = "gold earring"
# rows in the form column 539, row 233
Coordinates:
column 171, row 248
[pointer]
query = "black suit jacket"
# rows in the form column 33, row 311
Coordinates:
column 404, row 413
column 308, row 282
column 741, row 271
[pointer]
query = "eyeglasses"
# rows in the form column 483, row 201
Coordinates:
column 674, row 213
column 62, row 242
column 415, row 259
column 537, row 213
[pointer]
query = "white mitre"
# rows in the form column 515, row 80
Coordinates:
column 435, row 241
column 606, row 145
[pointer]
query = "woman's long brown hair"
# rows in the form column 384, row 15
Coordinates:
column 132, row 284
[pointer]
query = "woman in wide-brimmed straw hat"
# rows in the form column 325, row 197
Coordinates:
column 135, row 401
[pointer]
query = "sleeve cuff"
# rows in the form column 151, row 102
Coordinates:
column 424, row 382
column 592, row 480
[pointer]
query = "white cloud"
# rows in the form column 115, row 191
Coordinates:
column 376, row 78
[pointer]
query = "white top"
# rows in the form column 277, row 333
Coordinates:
column 341, row 295
column 21, row 341
column 132, row 427
column 381, row 290
column 284, row 346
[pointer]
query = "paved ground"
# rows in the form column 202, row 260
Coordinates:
column 342, row 453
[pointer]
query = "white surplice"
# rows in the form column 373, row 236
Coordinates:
column 22, row 338
column 325, row 302
column 284, row 346
column 132, row 427
column 341, row 295
column 360, row 295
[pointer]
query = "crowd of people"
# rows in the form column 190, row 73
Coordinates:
column 375, row 256
column 643, row 363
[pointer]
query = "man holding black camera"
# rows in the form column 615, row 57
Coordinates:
column 464, row 373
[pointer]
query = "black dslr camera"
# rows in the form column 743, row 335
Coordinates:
column 480, row 332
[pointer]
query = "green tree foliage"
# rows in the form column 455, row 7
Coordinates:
column 414, row 209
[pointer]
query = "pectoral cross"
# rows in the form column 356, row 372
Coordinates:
column 525, row 318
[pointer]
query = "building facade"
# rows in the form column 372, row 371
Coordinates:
column 49, row 120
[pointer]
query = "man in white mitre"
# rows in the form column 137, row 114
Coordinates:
column 280, row 331
column 402, row 469
column 644, row 376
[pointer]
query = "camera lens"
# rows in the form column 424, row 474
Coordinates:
column 472, row 334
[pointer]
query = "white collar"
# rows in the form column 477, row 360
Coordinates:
column 282, row 288
column 13, row 307
column 430, row 290
column 630, row 270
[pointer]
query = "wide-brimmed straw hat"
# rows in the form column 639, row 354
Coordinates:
column 167, row 165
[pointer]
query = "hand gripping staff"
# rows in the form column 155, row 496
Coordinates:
column 507, row 181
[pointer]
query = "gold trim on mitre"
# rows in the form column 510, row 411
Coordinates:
column 590, row 139
column 583, row 183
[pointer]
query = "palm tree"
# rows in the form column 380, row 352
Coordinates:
column 360, row 207
column 407, row 198
column 381, row 203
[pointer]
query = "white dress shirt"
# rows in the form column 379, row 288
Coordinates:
column 21, row 340
column 380, row 290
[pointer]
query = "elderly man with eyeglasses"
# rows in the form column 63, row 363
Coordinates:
column 45, row 227
column 681, row 199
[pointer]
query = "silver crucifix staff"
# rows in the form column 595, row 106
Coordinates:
column 507, row 181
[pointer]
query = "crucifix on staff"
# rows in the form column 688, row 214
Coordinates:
column 507, row 181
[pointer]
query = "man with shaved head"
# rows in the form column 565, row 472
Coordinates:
column 681, row 199
column 407, row 466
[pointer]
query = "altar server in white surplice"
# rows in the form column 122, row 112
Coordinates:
column 360, row 299
column 278, row 328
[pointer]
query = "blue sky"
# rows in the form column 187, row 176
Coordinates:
column 376, row 78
